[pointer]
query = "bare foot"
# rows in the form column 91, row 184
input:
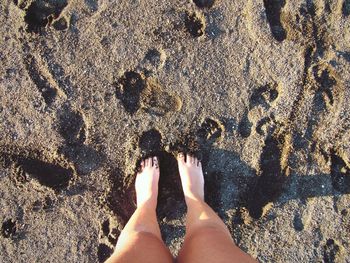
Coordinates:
column 146, row 184
column 192, row 178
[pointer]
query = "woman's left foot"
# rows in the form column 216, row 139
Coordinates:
column 146, row 184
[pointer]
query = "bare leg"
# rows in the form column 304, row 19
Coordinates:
column 207, row 237
column 140, row 240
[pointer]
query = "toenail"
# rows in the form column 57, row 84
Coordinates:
column 155, row 162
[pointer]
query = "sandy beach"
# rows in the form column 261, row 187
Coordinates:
column 258, row 89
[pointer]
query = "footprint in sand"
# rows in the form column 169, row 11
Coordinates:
column 9, row 228
column 204, row 3
column 340, row 173
column 135, row 92
column 104, row 252
column 346, row 8
column 72, row 127
column 158, row 102
column 195, row 24
column 48, row 92
column 273, row 175
column 55, row 174
column 150, row 141
column 273, row 10
column 331, row 251
column 328, row 88
column 40, row 14
column 153, row 60
column 108, row 239
column 210, row 131
column 264, row 97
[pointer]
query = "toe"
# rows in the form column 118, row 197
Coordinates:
column 150, row 161
column 194, row 160
column 189, row 159
column 141, row 166
column 155, row 162
column 181, row 157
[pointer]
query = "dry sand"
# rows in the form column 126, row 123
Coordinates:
column 259, row 88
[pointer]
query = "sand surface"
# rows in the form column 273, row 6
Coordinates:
column 259, row 88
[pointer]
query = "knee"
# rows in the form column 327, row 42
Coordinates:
column 146, row 241
column 146, row 238
column 207, row 233
column 142, row 247
column 136, row 238
column 145, row 235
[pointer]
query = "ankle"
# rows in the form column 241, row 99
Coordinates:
column 148, row 204
column 193, row 199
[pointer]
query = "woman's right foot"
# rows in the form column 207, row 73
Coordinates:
column 191, row 175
